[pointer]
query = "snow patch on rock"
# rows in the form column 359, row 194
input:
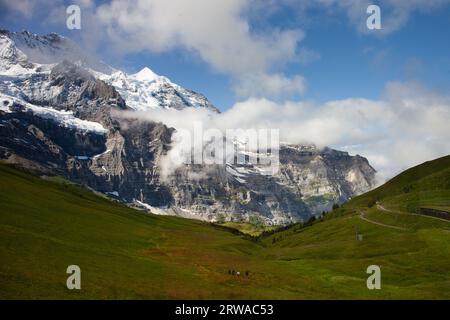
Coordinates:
column 64, row 118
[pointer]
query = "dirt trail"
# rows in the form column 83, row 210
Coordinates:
column 382, row 208
column 380, row 224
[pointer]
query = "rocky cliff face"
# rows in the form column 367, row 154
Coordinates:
column 308, row 182
column 63, row 121
column 323, row 177
column 62, row 118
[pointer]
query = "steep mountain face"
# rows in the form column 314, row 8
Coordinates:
column 60, row 113
column 62, row 121
column 12, row 60
column 308, row 182
column 323, row 177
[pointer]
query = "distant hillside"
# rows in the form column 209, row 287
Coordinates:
column 426, row 185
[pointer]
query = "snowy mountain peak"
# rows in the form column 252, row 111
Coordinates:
column 24, row 53
column 12, row 60
column 51, row 49
column 145, row 75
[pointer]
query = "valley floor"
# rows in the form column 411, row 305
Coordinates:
column 47, row 225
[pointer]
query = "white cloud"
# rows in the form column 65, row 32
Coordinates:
column 217, row 31
column 407, row 127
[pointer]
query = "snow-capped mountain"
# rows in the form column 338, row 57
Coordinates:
column 12, row 60
column 58, row 115
column 146, row 90
column 39, row 51
column 24, row 53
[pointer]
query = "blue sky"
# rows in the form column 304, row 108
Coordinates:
column 347, row 63
column 359, row 66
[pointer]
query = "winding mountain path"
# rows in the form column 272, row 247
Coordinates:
column 380, row 224
column 382, row 208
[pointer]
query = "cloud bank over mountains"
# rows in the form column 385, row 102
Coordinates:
column 407, row 127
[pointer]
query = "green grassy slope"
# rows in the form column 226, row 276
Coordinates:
column 412, row 250
column 424, row 185
column 47, row 225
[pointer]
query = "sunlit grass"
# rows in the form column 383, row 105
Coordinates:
column 46, row 225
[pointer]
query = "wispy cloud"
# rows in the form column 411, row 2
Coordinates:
column 395, row 13
column 23, row 7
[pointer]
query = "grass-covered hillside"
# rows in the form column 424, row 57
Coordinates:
column 48, row 224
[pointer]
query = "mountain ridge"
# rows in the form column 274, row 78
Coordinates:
column 124, row 160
